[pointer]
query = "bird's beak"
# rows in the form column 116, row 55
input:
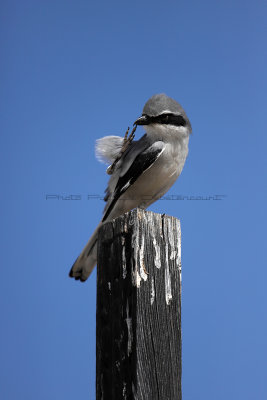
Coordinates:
column 143, row 120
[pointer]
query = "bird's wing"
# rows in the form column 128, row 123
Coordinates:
column 136, row 160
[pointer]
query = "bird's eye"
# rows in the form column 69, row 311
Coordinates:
column 165, row 118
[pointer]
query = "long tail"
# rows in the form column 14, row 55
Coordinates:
column 86, row 261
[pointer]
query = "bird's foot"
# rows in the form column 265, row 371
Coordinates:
column 126, row 142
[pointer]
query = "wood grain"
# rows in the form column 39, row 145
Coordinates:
column 138, row 334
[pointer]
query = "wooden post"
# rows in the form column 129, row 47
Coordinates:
column 138, row 319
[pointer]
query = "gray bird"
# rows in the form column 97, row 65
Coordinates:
column 141, row 171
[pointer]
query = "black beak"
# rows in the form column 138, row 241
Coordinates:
column 143, row 120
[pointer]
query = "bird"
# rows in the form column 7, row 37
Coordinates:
column 143, row 170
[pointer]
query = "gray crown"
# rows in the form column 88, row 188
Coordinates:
column 159, row 103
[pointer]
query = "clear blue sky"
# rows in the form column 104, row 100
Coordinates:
column 73, row 71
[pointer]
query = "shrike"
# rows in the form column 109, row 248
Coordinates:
column 141, row 171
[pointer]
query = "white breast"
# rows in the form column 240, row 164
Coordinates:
column 158, row 179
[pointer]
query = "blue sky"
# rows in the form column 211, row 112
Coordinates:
column 73, row 71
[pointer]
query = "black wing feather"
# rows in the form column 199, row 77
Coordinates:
column 141, row 163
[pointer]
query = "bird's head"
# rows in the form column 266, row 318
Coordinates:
column 164, row 114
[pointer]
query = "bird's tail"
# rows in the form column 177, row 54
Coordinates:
column 86, row 261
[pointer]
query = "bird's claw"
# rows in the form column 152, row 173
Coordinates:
column 126, row 142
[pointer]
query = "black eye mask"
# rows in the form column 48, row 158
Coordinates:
column 166, row 119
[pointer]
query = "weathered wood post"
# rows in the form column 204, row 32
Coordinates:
column 138, row 326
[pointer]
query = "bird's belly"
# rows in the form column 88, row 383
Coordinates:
column 150, row 186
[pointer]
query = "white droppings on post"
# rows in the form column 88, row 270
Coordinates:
column 136, row 280
column 157, row 250
column 171, row 239
column 152, row 292
column 156, row 246
column 179, row 253
column 142, row 260
column 168, row 287
column 130, row 331
column 139, row 269
column 167, row 276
